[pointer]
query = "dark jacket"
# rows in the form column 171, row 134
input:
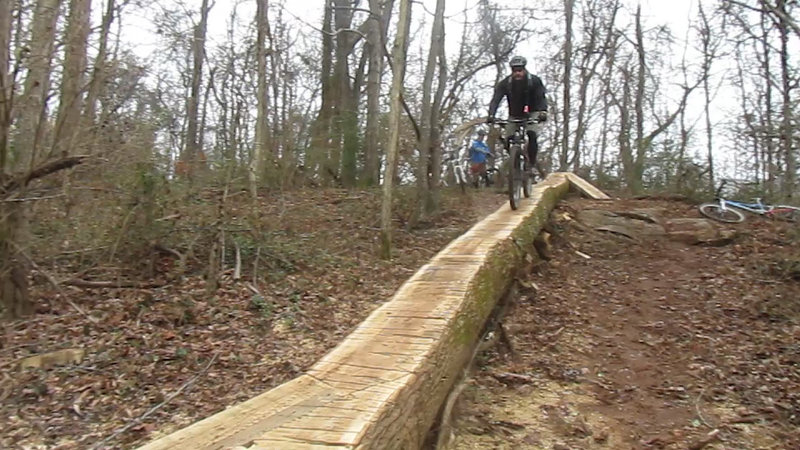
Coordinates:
column 519, row 94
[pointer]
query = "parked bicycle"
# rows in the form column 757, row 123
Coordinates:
column 457, row 167
column 730, row 211
column 519, row 176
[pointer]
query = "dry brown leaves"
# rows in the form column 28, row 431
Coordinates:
column 160, row 359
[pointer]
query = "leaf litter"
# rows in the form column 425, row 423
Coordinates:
column 158, row 359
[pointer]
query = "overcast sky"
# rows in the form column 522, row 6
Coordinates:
column 677, row 14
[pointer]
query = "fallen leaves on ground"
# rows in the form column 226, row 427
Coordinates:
column 158, row 359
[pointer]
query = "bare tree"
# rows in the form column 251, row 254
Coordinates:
column 710, row 42
column 6, row 83
column 99, row 69
column 345, row 122
column 566, row 109
column 634, row 165
column 768, row 125
column 399, row 50
column 262, row 126
column 376, row 38
column 73, row 77
column 598, row 27
column 193, row 146
column 426, row 125
column 14, row 265
column 437, row 123
column 784, row 23
column 317, row 158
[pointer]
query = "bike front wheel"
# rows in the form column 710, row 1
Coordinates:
column 527, row 180
column 716, row 212
column 515, row 176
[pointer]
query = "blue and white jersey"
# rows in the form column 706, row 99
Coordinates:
column 478, row 152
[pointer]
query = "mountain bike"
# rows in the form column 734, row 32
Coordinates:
column 519, row 177
column 730, row 211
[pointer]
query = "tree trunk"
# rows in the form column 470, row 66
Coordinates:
column 99, row 70
column 68, row 119
column 14, row 268
column 37, row 84
column 375, row 45
column 72, row 82
column 608, row 100
column 191, row 155
column 635, row 181
column 567, row 107
column 767, row 124
column 342, row 161
column 321, row 129
column 436, row 133
column 424, row 144
column 6, row 86
column 14, row 227
column 399, row 70
column 787, row 81
column 261, row 145
column 624, row 136
column 708, row 59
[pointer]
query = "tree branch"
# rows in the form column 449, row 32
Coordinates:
column 47, row 168
column 169, row 398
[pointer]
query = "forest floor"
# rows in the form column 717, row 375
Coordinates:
column 139, row 363
column 644, row 344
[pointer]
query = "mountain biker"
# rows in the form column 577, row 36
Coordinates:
column 525, row 93
column 478, row 152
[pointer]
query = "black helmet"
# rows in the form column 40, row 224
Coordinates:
column 518, row 61
column 481, row 132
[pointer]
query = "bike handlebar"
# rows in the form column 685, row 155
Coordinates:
column 504, row 122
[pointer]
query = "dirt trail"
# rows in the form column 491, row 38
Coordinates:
column 645, row 343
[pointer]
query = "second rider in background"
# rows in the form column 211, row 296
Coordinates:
column 525, row 93
column 478, row 152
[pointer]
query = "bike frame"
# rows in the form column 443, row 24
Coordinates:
column 519, row 135
column 717, row 210
column 460, row 173
column 518, row 177
column 755, row 208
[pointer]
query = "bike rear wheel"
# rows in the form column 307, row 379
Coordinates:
column 515, row 176
column 716, row 212
column 787, row 213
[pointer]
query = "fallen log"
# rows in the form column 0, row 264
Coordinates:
column 384, row 385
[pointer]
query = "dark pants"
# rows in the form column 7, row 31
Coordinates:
column 533, row 146
column 530, row 131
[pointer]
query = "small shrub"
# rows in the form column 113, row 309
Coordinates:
column 261, row 306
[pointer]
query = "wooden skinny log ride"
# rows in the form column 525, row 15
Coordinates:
column 384, row 385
